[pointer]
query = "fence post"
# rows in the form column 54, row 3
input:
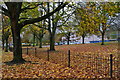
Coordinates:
column 111, row 65
column 68, row 58
column 27, row 50
column 35, row 51
column 48, row 54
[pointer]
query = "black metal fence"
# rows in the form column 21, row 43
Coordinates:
column 94, row 65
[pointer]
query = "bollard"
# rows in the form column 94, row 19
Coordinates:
column 68, row 58
column 111, row 65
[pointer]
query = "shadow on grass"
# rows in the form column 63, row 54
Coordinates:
column 10, row 63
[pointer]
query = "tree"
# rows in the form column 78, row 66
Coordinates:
column 26, row 36
column 55, row 21
column 52, row 28
column 58, row 20
column 5, row 32
column 115, row 24
column 86, row 23
column 6, row 37
column 39, row 32
column 67, row 30
column 96, row 14
column 104, row 12
column 13, row 11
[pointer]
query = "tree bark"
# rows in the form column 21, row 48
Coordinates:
column 40, row 41
column 51, row 32
column 68, row 40
column 52, row 42
column 14, row 12
column 83, row 39
column 17, row 47
column 103, row 34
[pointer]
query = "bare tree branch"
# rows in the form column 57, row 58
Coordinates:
column 65, row 20
column 34, row 20
column 40, row 26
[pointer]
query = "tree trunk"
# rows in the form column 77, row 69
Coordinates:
column 14, row 11
column 83, row 39
column 52, row 34
column 9, row 46
column 3, row 37
column 52, row 42
column 3, row 42
column 17, row 48
column 68, row 40
column 33, row 40
column 6, row 47
column 40, row 45
column 102, row 38
column 118, row 54
column 36, row 42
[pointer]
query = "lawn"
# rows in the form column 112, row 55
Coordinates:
column 86, row 61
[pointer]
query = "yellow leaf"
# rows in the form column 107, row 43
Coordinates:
column 40, row 74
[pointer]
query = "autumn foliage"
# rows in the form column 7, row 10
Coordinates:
column 87, row 61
